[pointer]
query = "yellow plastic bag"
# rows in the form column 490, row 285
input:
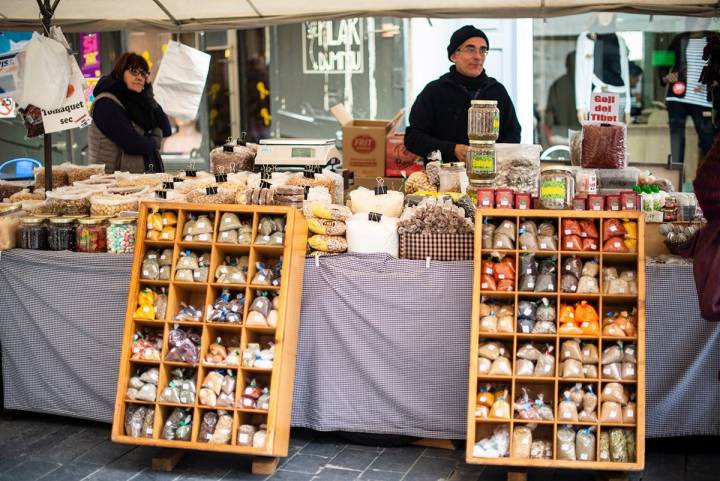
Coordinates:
column 328, row 243
column 146, row 297
column 169, row 218
column 167, row 233
column 631, row 229
column 154, row 221
column 145, row 312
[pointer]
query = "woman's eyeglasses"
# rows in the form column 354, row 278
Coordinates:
column 472, row 50
column 139, row 71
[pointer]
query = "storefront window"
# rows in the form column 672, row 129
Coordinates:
column 355, row 61
column 652, row 62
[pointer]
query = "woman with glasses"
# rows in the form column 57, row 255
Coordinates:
column 438, row 118
column 128, row 124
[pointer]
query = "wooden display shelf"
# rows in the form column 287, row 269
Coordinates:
column 279, row 379
column 480, row 428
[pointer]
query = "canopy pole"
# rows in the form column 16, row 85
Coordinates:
column 47, row 11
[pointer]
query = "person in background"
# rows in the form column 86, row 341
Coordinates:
column 561, row 111
column 128, row 124
column 438, row 118
column 711, row 76
column 635, row 89
column 685, row 94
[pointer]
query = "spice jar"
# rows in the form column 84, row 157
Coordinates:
column 61, row 234
column 121, row 236
column 453, row 177
column 33, row 233
column 481, row 162
column 557, row 188
column 91, row 235
column 483, row 120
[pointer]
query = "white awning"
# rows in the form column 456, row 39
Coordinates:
column 191, row 15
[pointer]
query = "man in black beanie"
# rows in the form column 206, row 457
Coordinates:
column 438, row 118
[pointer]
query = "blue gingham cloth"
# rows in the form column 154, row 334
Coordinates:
column 383, row 343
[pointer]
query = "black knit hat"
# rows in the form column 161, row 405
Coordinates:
column 462, row 34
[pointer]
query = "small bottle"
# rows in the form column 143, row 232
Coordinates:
column 480, row 162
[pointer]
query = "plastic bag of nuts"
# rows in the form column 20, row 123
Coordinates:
column 211, row 195
column 59, row 177
column 76, row 173
column 112, row 204
column 69, row 201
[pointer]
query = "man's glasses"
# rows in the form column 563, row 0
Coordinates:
column 139, row 71
column 472, row 50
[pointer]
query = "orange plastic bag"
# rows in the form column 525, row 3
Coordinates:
column 488, row 283
column 504, row 270
column 569, row 328
column 588, row 229
column 506, row 285
column 589, row 244
column 485, row 397
column 486, row 267
column 571, row 227
column 614, row 244
column 613, row 330
column 572, row 243
column 584, row 312
column 612, row 228
column 567, row 314
column 590, row 328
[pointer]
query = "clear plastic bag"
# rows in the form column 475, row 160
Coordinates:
column 505, row 324
column 544, row 327
column 573, row 265
column 588, row 285
column 545, row 366
column 613, row 354
column 590, row 371
column 545, row 312
column 629, row 413
column 529, row 352
column 618, row 446
column 604, row 145
column 567, row 409
column 528, row 241
column 615, row 392
column 500, row 408
column 570, row 349
column 526, row 283
column 495, row 446
column 589, row 353
column 546, row 243
column 628, row 371
column 569, row 283
column 521, row 442
column 566, row 443
column 501, row 367
column 502, row 241
column 528, row 265
column 484, row 365
column 572, row 368
column 604, row 443
column 507, row 228
column 590, row 268
column 490, row 350
column 585, row 444
column 545, row 283
column 524, row 367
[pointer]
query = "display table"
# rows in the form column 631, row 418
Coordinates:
column 383, row 343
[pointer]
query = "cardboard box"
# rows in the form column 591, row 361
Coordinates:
column 398, row 159
column 364, row 142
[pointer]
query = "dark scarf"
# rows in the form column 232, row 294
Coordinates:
column 137, row 105
column 472, row 85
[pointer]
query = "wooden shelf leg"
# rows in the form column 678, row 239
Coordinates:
column 166, row 459
column 264, row 465
column 517, row 476
column 436, row 443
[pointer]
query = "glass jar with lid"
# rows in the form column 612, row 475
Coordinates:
column 33, row 233
column 557, row 188
column 121, row 234
column 480, row 163
column 453, row 177
column 483, row 120
column 91, row 235
column 61, row 234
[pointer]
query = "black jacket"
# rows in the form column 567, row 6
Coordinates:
column 438, row 118
column 678, row 46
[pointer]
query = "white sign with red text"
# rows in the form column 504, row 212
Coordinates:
column 604, row 107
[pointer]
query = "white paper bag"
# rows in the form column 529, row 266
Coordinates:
column 44, row 73
column 73, row 111
column 180, row 81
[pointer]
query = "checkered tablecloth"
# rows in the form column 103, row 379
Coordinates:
column 383, row 343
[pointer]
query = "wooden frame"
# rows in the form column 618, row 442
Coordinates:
column 281, row 375
column 478, row 428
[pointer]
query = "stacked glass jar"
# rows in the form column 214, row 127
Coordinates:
column 483, row 131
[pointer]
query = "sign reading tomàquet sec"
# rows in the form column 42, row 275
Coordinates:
column 333, row 46
column 604, row 107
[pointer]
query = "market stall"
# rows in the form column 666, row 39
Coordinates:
column 360, row 367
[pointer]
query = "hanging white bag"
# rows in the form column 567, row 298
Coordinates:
column 44, row 73
column 73, row 111
column 180, row 80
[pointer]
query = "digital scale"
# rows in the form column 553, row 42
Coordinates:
column 295, row 154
